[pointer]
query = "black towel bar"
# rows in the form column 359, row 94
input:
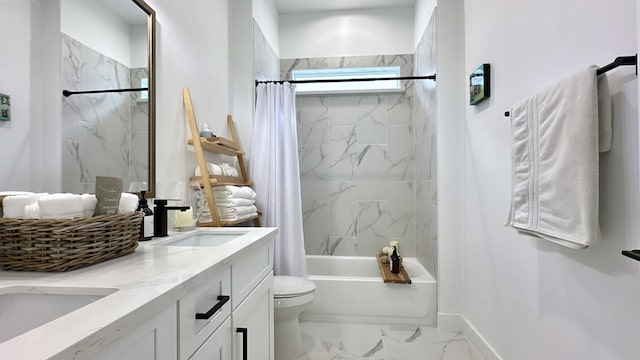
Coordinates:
column 619, row 61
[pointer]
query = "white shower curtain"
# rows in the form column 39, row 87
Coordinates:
column 276, row 174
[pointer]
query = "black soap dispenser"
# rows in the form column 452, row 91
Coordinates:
column 146, row 229
column 394, row 261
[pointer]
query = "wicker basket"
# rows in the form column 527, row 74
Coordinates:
column 66, row 244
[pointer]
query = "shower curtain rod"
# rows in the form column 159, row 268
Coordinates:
column 426, row 77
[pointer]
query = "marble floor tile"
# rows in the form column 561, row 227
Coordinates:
column 332, row 341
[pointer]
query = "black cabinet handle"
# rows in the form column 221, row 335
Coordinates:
column 245, row 335
column 222, row 299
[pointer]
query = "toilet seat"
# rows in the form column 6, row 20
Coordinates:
column 290, row 286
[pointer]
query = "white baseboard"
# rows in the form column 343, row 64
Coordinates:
column 458, row 323
column 450, row 322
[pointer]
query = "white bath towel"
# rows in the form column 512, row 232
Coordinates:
column 236, row 210
column 61, row 206
column 237, row 217
column 128, row 203
column 231, row 191
column 213, row 169
column 89, row 202
column 555, row 162
column 13, row 206
column 229, row 202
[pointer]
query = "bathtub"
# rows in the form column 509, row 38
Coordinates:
column 350, row 289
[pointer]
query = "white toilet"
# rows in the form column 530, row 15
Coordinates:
column 290, row 297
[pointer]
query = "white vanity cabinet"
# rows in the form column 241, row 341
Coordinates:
column 252, row 300
column 202, row 312
column 155, row 339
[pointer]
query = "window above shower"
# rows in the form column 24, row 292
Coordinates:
column 347, row 86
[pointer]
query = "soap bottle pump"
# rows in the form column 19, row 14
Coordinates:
column 205, row 132
column 394, row 261
column 146, row 228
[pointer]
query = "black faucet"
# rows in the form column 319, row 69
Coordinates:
column 160, row 216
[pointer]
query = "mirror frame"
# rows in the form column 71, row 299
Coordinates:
column 151, row 51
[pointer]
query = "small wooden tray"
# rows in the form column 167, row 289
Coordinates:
column 388, row 277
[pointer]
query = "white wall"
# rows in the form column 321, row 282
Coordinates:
column 99, row 29
column 347, row 33
column 529, row 298
column 450, row 95
column 139, row 46
column 15, row 139
column 191, row 52
column 266, row 15
column 422, row 14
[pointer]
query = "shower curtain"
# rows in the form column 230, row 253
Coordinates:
column 276, row 174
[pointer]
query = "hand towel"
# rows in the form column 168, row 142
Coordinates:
column 128, row 203
column 555, row 144
column 231, row 191
column 237, row 210
column 13, row 206
column 32, row 211
column 89, row 202
column 213, row 169
column 61, row 206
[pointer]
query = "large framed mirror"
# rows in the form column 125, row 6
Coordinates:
column 108, row 103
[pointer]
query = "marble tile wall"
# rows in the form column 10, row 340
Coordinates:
column 98, row 129
column 357, row 163
column 426, row 225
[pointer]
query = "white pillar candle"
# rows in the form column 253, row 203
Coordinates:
column 184, row 218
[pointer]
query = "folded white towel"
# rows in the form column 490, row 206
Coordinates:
column 237, row 217
column 128, row 203
column 89, row 202
column 13, row 206
column 213, row 169
column 231, row 191
column 61, row 206
column 32, row 211
column 229, row 202
column 555, row 162
column 237, row 210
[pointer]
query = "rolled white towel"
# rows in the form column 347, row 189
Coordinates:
column 237, row 210
column 61, row 206
column 213, row 169
column 13, row 206
column 231, row 191
column 229, row 202
column 32, row 211
column 228, row 170
column 89, row 202
column 128, row 203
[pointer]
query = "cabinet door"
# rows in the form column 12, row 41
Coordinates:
column 211, row 301
column 155, row 339
column 217, row 346
column 253, row 324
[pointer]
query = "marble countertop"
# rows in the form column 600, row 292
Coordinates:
column 147, row 281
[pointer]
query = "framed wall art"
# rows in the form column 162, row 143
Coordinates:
column 480, row 84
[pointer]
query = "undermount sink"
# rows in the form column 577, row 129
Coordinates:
column 23, row 308
column 203, row 239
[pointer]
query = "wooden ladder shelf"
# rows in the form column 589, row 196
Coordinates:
column 218, row 145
